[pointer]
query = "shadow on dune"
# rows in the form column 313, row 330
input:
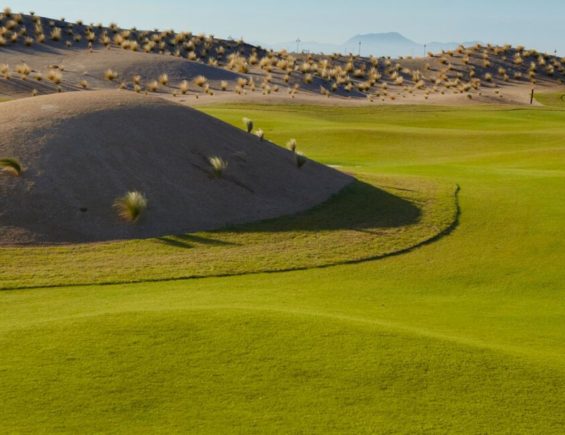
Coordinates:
column 360, row 206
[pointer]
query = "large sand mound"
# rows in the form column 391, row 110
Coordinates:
column 82, row 150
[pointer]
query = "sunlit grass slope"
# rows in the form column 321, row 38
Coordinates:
column 364, row 221
column 465, row 335
column 552, row 99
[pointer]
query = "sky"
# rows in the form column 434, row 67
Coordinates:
column 535, row 24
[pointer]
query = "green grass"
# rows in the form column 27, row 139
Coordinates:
column 551, row 99
column 360, row 223
column 464, row 335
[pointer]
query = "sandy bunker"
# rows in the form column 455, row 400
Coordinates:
column 82, row 150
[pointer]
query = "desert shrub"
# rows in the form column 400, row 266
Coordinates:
column 131, row 206
column 184, row 87
column 55, row 76
column 5, row 71
column 219, row 166
column 164, row 79
column 56, row 34
column 201, row 81
column 11, row 166
column 153, row 86
column 110, row 75
column 23, row 70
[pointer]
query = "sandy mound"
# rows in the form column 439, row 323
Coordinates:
column 82, row 150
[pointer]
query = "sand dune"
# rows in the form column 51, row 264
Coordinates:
column 81, row 150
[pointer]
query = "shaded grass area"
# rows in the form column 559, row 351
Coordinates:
column 361, row 222
column 552, row 99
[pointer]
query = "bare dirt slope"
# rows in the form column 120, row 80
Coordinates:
column 81, row 150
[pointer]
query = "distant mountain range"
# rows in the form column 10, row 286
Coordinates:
column 378, row 44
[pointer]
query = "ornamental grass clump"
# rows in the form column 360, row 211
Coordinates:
column 291, row 145
column 184, row 87
column 219, row 166
column 110, row 75
column 164, row 79
column 131, row 206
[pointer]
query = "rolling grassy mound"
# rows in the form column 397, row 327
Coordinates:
column 464, row 335
column 80, row 151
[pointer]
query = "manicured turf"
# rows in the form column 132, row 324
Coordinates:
column 463, row 335
column 552, row 99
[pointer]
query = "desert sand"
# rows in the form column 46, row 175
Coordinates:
column 81, row 150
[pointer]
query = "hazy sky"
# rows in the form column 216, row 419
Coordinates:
column 537, row 24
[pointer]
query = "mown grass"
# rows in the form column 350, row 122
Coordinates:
column 362, row 222
column 551, row 99
column 464, row 335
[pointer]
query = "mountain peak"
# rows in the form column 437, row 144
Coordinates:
column 381, row 38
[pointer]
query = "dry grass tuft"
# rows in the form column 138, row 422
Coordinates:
column 184, row 87
column 23, row 70
column 201, row 81
column 248, row 124
column 110, row 75
column 219, row 166
column 153, row 86
column 164, row 79
column 131, row 206
column 291, row 145
column 55, row 76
